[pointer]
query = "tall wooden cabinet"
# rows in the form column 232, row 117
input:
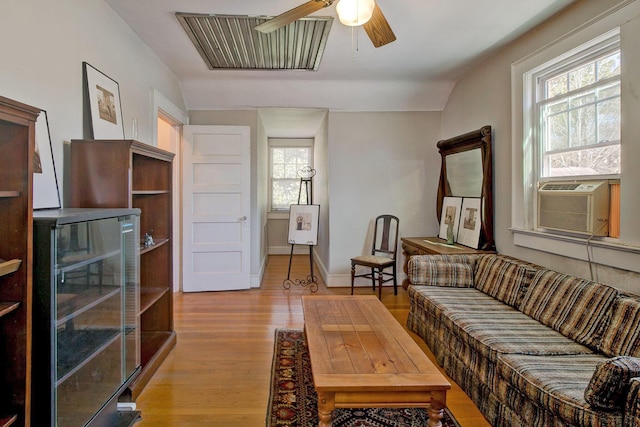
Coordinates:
column 17, row 142
column 130, row 174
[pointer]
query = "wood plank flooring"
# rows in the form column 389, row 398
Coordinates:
column 218, row 374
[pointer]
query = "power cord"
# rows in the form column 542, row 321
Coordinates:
column 606, row 221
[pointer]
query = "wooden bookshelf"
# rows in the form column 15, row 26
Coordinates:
column 130, row 174
column 8, row 267
column 17, row 147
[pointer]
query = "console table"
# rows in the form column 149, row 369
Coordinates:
column 432, row 246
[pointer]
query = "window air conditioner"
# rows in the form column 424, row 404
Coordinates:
column 576, row 207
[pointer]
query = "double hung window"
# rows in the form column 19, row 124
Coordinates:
column 572, row 122
column 578, row 108
column 287, row 157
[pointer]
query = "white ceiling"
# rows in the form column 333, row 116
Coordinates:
column 437, row 42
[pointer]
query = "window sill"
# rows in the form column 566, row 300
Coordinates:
column 278, row 215
column 603, row 252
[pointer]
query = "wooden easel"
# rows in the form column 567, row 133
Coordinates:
column 306, row 175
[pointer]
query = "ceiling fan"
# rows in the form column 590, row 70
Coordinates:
column 377, row 28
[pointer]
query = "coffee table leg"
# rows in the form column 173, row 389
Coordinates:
column 436, row 410
column 326, row 405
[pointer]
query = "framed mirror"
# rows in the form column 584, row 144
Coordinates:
column 467, row 171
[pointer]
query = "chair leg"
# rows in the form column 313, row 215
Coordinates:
column 353, row 275
column 381, row 279
column 373, row 279
column 395, row 281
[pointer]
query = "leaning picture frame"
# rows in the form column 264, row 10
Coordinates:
column 103, row 101
column 470, row 223
column 450, row 214
column 46, row 193
column 303, row 224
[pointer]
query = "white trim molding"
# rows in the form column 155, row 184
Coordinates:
column 601, row 252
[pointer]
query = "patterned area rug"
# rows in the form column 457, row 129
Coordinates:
column 293, row 400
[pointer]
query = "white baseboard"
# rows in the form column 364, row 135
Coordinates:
column 344, row 281
column 256, row 279
column 337, row 280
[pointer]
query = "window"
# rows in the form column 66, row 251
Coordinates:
column 607, row 39
column 572, row 120
column 287, row 157
column 577, row 103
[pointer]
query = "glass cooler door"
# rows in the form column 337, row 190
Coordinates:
column 88, row 322
column 131, row 296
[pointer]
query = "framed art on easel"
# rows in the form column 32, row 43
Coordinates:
column 303, row 224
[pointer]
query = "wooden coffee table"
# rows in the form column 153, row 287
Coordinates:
column 362, row 357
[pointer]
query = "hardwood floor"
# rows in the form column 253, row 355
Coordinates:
column 219, row 372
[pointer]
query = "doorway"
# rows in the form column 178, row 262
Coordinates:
column 169, row 138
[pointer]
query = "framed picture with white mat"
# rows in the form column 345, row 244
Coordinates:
column 450, row 215
column 469, row 228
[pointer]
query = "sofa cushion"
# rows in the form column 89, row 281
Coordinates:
column 463, row 258
column 427, row 271
column 632, row 406
column 558, row 384
column 621, row 337
column 577, row 308
column 439, row 302
column 610, row 382
column 503, row 277
column 508, row 331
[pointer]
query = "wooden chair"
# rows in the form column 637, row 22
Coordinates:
column 383, row 255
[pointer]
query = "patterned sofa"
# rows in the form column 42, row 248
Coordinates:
column 530, row 346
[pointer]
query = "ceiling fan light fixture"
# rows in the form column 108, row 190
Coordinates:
column 355, row 12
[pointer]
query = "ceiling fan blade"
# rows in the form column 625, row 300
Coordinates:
column 292, row 15
column 378, row 29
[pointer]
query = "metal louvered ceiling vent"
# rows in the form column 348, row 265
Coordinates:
column 228, row 42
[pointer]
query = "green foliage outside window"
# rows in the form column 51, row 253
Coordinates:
column 285, row 183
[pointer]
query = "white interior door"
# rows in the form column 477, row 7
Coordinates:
column 216, row 207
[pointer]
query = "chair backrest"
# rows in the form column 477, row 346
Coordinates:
column 385, row 236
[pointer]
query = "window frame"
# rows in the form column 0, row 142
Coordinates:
column 602, row 46
column 284, row 143
column 531, row 162
column 619, row 252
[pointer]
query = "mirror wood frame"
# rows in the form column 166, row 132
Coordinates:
column 478, row 139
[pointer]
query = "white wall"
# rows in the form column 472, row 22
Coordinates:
column 379, row 163
column 321, row 196
column 260, row 223
column 484, row 96
column 43, row 45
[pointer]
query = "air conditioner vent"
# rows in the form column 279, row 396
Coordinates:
column 576, row 207
column 227, row 42
column 560, row 186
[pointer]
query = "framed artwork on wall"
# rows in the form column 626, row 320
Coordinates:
column 105, row 110
column 303, row 224
column 46, row 193
column 470, row 223
column 450, row 215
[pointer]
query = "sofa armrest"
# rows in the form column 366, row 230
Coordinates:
column 437, row 270
column 632, row 404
